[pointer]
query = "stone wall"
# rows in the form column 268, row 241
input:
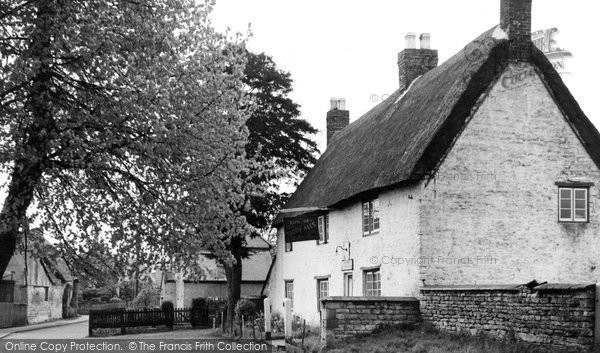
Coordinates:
column 348, row 316
column 548, row 314
column 41, row 310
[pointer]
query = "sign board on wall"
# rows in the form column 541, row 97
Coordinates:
column 348, row 265
column 301, row 228
column 545, row 40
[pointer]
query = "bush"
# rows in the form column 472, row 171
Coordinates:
column 146, row 298
column 217, row 302
column 245, row 307
column 199, row 312
column 167, row 305
column 95, row 301
column 199, row 303
column 277, row 324
column 115, row 300
column 70, row 313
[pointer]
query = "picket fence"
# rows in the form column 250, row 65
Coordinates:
column 124, row 318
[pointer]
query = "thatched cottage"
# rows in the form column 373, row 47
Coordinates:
column 482, row 170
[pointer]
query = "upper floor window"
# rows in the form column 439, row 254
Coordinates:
column 323, row 229
column 370, row 217
column 573, row 204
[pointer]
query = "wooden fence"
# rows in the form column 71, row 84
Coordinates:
column 13, row 315
column 122, row 318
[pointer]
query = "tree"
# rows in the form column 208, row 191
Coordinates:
column 279, row 142
column 121, row 124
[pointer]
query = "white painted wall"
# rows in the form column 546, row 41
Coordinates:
column 392, row 248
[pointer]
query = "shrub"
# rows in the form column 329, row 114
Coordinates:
column 70, row 312
column 95, row 301
column 167, row 305
column 277, row 324
column 199, row 303
column 217, row 302
column 145, row 298
column 115, row 300
column 245, row 307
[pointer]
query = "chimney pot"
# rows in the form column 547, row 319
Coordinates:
column 413, row 62
column 425, row 39
column 337, row 103
column 411, row 40
column 337, row 117
column 515, row 20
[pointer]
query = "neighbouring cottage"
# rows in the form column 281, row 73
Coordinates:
column 481, row 171
column 35, row 287
column 210, row 281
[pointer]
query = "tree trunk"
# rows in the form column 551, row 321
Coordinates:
column 75, row 299
column 24, row 179
column 31, row 152
column 234, row 282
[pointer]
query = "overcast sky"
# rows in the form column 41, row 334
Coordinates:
column 336, row 48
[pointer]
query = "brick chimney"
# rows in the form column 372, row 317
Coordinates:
column 413, row 62
column 337, row 117
column 515, row 20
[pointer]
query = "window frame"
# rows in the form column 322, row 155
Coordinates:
column 320, row 291
column 285, row 290
column 348, row 284
column 572, row 207
column 372, row 206
column 323, row 224
column 366, row 281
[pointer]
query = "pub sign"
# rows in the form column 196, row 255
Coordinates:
column 301, row 228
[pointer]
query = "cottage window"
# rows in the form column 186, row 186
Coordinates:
column 572, row 204
column 348, row 284
column 372, row 283
column 289, row 291
column 288, row 246
column 45, row 293
column 323, row 229
column 370, row 217
column 322, row 291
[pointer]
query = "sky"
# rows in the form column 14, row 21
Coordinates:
column 335, row 48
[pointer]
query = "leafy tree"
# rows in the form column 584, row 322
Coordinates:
column 121, row 123
column 279, row 141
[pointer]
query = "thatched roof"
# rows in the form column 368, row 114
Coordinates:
column 403, row 139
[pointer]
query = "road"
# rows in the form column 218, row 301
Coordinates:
column 78, row 330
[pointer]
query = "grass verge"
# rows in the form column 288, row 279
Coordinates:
column 426, row 339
